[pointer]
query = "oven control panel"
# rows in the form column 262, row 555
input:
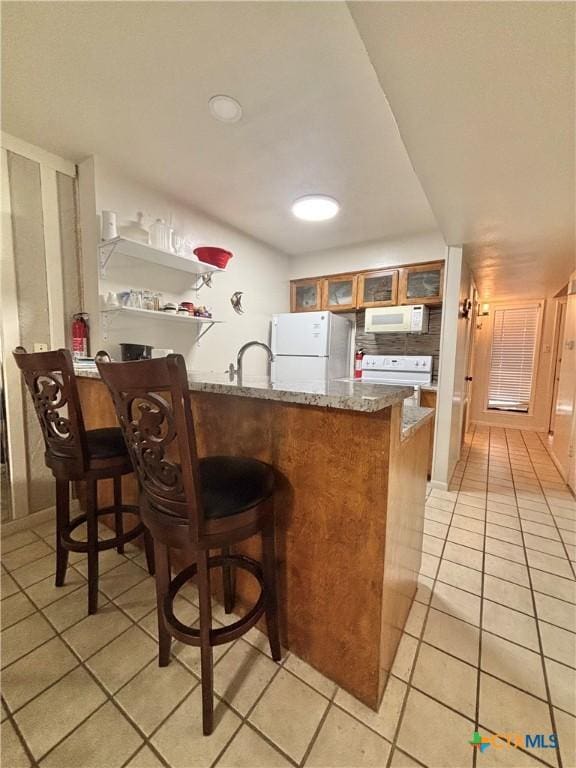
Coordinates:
column 406, row 364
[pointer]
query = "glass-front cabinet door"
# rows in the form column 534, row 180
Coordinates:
column 421, row 284
column 378, row 289
column 306, row 295
column 339, row 293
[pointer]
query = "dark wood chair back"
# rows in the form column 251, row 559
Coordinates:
column 152, row 403
column 50, row 379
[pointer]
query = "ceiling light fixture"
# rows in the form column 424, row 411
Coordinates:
column 315, row 208
column 225, row 108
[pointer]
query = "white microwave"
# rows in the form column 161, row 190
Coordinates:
column 408, row 319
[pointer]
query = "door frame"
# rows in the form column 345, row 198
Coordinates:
column 559, row 325
column 11, row 380
column 470, row 362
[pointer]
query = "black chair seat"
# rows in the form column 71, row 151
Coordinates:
column 232, row 484
column 106, row 443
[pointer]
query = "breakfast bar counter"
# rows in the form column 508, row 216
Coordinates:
column 351, row 468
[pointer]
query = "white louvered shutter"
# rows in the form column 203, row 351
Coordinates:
column 512, row 358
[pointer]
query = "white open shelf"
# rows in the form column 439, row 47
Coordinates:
column 159, row 315
column 148, row 253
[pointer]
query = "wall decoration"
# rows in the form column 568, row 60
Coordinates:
column 236, row 301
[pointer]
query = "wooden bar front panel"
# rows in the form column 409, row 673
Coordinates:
column 331, row 505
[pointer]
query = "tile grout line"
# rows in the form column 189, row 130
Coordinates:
column 60, row 634
column 316, row 733
column 505, row 559
column 19, row 736
column 505, row 437
column 111, row 696
column 420, row 639
column 556, row 526
column 82, row 664
column 481, row 617
column 540, row 643
column 331, row 702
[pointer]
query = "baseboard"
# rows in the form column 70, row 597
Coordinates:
column 438, row 484
column 557, row 464
column 36, row 518
column 501, row 425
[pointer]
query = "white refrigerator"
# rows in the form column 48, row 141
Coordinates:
column 310, row 346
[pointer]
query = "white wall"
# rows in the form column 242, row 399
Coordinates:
column 454, row 347
column 429, row 246
column 256, row 269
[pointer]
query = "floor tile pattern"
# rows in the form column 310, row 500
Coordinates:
column 490, row 645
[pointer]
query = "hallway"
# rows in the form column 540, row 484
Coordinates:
column 489, row 646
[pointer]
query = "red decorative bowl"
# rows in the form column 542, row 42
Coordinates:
column 217, row 257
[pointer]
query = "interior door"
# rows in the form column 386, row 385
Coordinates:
column 565, row 417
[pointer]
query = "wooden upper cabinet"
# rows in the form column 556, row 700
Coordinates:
column 416, row 284
column 421, row 284
column 378, row 289
column 306, row 295
column 339, row 293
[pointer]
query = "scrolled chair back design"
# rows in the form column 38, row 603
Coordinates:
column 153, row 407
column 49, row 377
column 50, row 397
column 147, row 421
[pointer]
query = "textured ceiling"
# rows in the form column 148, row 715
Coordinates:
column 483, row 93
column 131, row 82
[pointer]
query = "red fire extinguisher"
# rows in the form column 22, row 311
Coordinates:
column 80, row 335
column 358, row 364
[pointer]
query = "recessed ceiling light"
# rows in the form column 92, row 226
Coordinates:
column 225, row 108
column 315, row 208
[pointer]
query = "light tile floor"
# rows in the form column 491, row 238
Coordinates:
column 490, row 645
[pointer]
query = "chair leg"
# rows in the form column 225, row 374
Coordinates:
column 229, row 581
column 62, row 520
column 149, row 549
column 92, row 537
column 270, row 579
column 162, row 560
column 206, row 657
column 118, row 521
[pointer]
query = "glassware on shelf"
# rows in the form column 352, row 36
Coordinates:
column 170, row 239
column 135, row 299
column 148, row 300
column 159, row 235
column 179, row 244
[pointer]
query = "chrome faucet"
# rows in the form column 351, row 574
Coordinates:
column 244, row 348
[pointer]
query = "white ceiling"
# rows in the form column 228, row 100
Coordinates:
column 483, row 93
column 131, row 82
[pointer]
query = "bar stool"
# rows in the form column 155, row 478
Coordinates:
column 191, row 503
column 74, row 453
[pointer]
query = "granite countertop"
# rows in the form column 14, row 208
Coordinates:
column 413, row 417
column 326, row 393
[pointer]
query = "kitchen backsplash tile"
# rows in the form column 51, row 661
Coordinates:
column 403, row 343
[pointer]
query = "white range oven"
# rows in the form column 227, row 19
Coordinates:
column 411, row 370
